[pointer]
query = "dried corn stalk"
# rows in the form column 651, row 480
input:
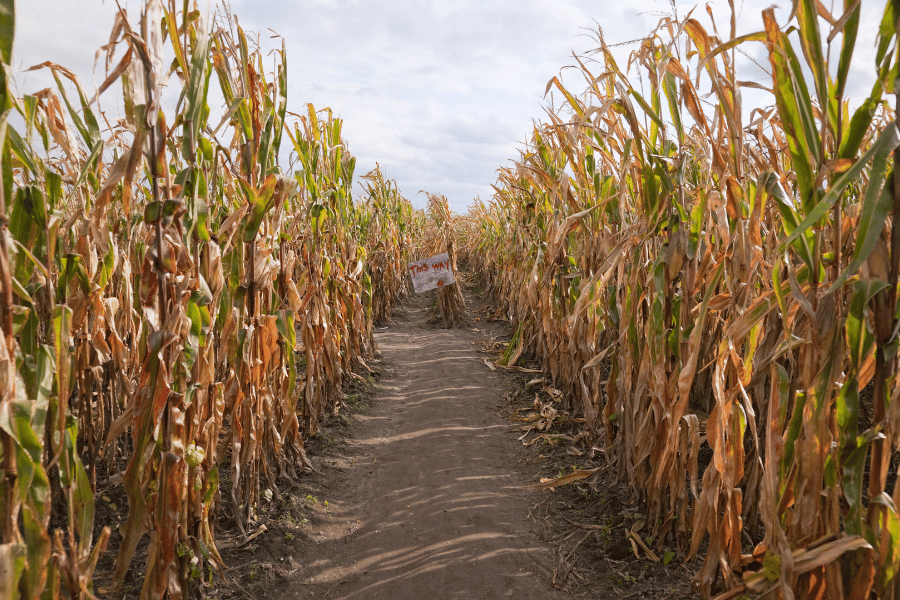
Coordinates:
column 438, row 238
column 717, row 296
column 177, row 311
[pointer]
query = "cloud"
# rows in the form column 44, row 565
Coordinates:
column 439, row 93
column 491, row 131
column 58, row 32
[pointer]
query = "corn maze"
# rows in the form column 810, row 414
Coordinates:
column 716, row 293
column 714, row 290
column 176, row 308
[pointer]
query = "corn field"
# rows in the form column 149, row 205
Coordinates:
column 715, row 290
column 179, row 309
column 437, row 236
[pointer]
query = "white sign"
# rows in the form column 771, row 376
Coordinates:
column 430, row 273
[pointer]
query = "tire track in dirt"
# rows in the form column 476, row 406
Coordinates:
column 431, row 503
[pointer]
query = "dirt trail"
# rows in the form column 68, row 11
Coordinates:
column 428, row 501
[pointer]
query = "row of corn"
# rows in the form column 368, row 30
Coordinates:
column 715, row 289
column 179, row 308
column 437, row 236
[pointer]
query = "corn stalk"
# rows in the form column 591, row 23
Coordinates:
column 153, row 285
column 438, row 237
column 698, row 282
column 386, row 227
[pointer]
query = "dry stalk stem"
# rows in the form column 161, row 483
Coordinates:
column 715, row 292
column 177, row 312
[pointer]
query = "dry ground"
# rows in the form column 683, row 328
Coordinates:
column 422, row 493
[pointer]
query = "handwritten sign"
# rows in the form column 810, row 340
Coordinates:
column 430, row 273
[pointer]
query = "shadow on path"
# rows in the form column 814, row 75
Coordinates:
column 433, row 505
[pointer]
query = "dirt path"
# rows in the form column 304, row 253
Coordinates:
column 428, row 501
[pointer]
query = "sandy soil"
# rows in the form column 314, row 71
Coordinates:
column 427, row 499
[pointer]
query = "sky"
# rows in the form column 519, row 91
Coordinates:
column 440, row 94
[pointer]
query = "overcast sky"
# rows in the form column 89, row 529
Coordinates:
column 439, row 93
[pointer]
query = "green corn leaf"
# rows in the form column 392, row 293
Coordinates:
column 81, row 503
column 793, row 432
column 196, row 91
column 235, row 104
column 27, row 206
column 859, row 124
column 202, row 226
column 244, row 67
column 24, row 152
column 176, row 40
column 7, row 35
column 54, row 189
column 164, row 209
column 794, row 105
column 852, row 485
column 62, row 323
column 848, row 43
column 265, row 141
column 192, row 343
column 848, row 415
column 261, row 205
column 35, row 515
column 886, row 32
column 872, row 218
column 853, row 469
column 43, row 387
column 281, row 112
column 313, row 123
column 7, row 30
column 769, row 181
column 20, row 291
column 670, row 89
column 861, row 341
column 13, row 560
column 211, row 486
column 877, row 153
column 206, row 147
column 29, row 103
column 890, row 526
column 286, row 328
column 106, row 268
column 71, row 268
column 811, row 42
column 647, row 109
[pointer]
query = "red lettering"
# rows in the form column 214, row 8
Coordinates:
column 416, row 269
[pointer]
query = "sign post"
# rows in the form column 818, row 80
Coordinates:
column 431, row 273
